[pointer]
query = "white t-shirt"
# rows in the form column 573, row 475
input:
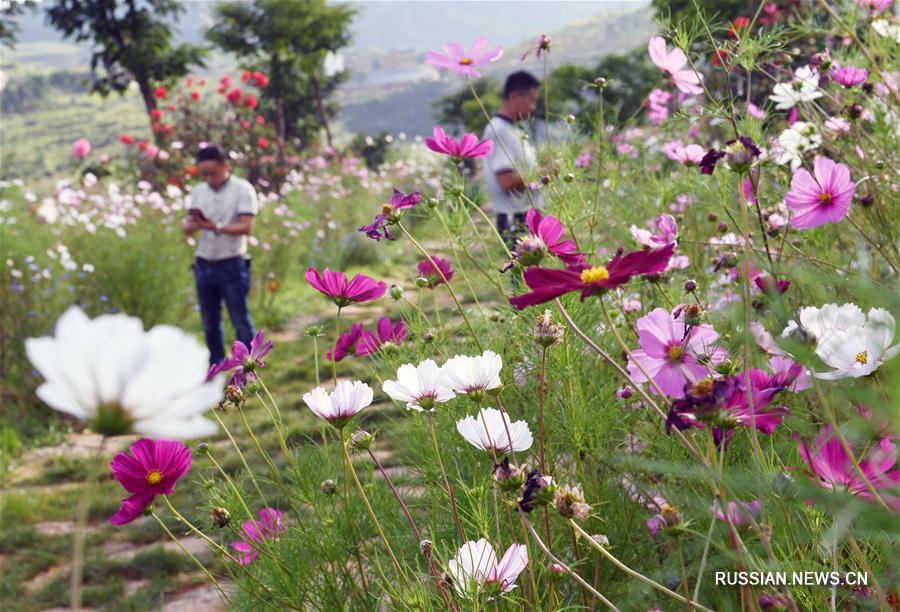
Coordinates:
column 234, row 198
column 512, row 151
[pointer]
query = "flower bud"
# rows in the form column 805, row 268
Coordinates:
column 313, row 331
column 625, row 392
column 568, row 177
column 328, row 487
column 203, row 448
column 396, row 292
column 690, row 285
column 556, row 570
column 421, row 282
column 530, row 250
column 570, row 119
column 600, row 539
column 724, row 367
column 722, row 227
column 360, row 440
column 712, row 218
column 234, row 394
column 431, row 202
column 425, row 546
column 867, row 201
column 600, row 82
column 220, row 516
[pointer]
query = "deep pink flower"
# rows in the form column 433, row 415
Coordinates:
column 431, row 275
column 387, row 334
column 689, row 155
column 346, row 343
column 81, row 148
column 823, row 198
column 244, row 361
column 671, row 352
column 663, row 230
column 361, row 288
column 874, row 6
column 835, row 470
column 546, row 237
column 390, row 214
column 269, row 526
column 672, row 64
column 736, row 410
column 462, row 62
column 547, row 284
column 153, row 468
column 468, row 147
column 849, row 76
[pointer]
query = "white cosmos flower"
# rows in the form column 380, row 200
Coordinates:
column 804, row 87
column 487, row 430
column 858, row 351
column 119, row 378
column 475, row 568
column 419, row 386
column 465, row 374
column 793, row 142
column 885, row 28
column 342, row 404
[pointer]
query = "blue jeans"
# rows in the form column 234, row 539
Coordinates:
column 226, row 281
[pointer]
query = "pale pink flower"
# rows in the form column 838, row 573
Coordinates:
column 672, row 64
column 462, row 62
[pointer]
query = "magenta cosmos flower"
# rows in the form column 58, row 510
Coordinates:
column 671, row 352
column 849, row 76
column 820, row 199
column 391, row 214
column 244, row 361
column 835, row 470
column 153, row 468
column 672, row 64
column 546, row 237
column 462, row 62
column 387, row 334
column 361, row 288
column 269, row 526
column 346, row 343
column 81, row 148
column 547, row 284
column 468, row 147
column 430, row 271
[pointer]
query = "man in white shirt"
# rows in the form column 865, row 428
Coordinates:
column 222, row 208
column 513, row 155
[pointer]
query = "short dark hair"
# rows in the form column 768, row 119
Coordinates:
column 211, row 153
column 519, row 81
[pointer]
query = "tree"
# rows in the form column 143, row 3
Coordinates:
column 461, row 109
column 9, row 29
column 131, row 40
column 290, row 41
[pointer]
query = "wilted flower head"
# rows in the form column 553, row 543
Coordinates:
column 475, row 568
column 462, row 62
column 539, row 490
column 153, row 468
column 220, row 517
column 390, row 214
column 570, row 503
column 488, row 430
column 121, row 379
column 546, row 332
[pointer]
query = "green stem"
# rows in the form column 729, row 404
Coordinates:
column 241, row 455
column 437, row 452
column 80, row 535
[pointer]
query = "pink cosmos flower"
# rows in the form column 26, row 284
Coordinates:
column 153, row 468
column 672, row 64
column 849, row 76
column 546, row 237
column 874, row 6
column 390, row 214
column 738, row 514
column 462, row 62
column 347, row 343
column 670, row 352
column 658, row 106
column 475, row 567
column 387, row 334
column 756, row 112
column 823, row 198
column 547, row 284
column 468, row 147
column 269, row 526
column 689, row 155
column 663, row 230
column 429, row 272
column 244, row 361
column 81, row 148
column 835, row 470
column 361, row 288
column 583, row 160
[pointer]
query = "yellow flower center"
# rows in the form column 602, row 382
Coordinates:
column 466, row 61
column 825, row 198
column 702, row 387
column 155, row 477
column 669, row 509
column 594, row 275
column 675, row 352
column 862, row 358
column 387, row 209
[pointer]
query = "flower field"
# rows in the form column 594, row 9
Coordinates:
column 673, row 384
